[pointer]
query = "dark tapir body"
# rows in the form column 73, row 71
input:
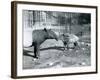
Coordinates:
column 39, row 36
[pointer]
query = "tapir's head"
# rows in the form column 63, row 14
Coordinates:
column 51, row 34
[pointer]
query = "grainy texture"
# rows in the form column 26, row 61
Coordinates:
column 53, row 56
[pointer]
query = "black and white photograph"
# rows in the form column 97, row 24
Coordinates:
column 53, row 39
column 56, row 39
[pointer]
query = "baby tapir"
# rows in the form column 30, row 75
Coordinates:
column 69, row 40
column 39, row 36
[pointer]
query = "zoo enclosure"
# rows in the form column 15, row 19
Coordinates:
column 60, row 22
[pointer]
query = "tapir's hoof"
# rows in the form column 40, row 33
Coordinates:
column 35, row 57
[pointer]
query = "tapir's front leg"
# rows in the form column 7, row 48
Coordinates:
column 65, row 45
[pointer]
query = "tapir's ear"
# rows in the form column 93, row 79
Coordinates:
column 45, row 29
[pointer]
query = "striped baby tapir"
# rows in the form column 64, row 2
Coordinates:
column 69, row 40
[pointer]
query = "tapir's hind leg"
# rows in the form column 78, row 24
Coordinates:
column 36, row 51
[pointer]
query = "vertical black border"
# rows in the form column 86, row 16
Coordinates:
column 14, row 38
column 96, row 39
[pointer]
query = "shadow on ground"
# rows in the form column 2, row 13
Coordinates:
column 25, row 52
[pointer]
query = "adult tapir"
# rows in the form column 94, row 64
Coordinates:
column 39, row 36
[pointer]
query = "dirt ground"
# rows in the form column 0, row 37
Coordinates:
column 52, row 55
